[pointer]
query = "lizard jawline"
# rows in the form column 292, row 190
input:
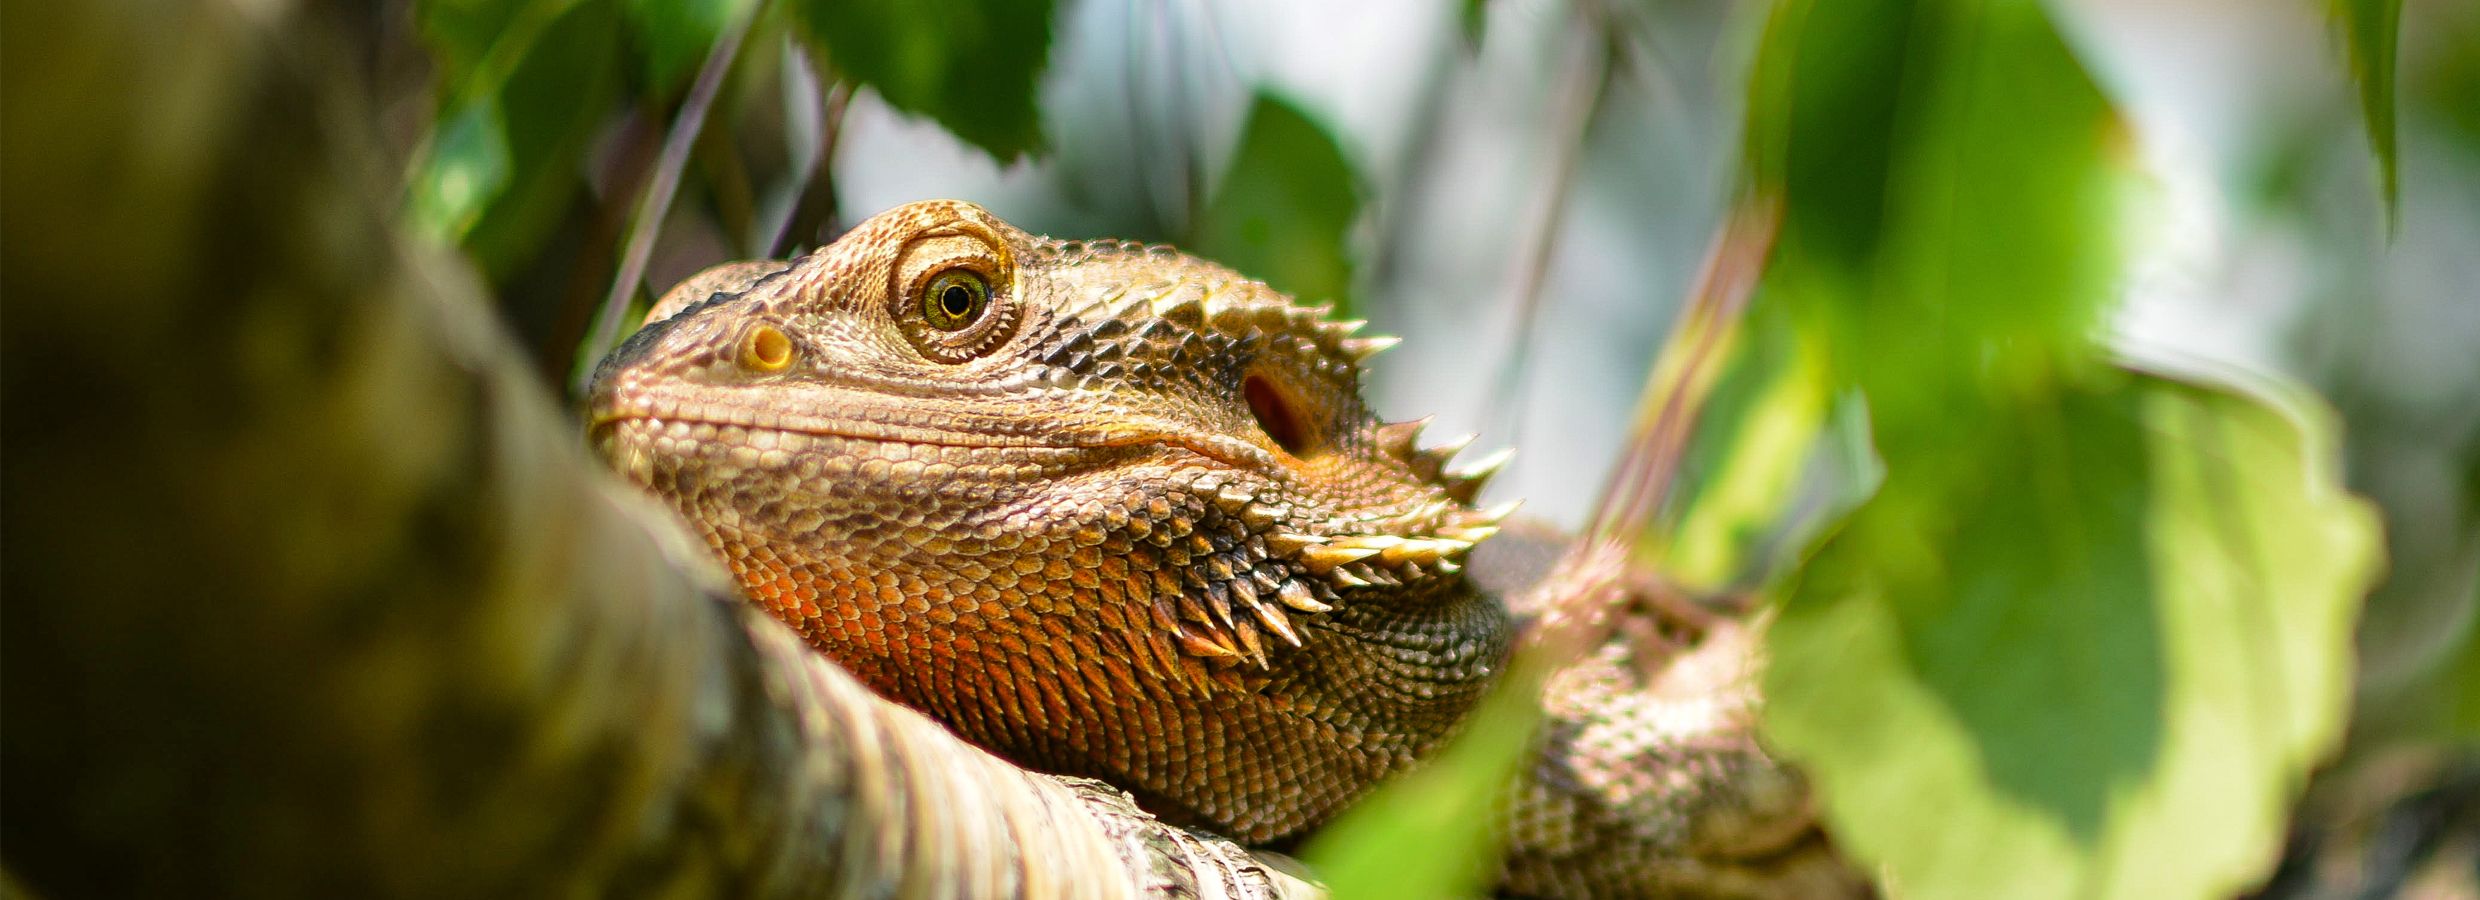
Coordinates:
column 1117, row 435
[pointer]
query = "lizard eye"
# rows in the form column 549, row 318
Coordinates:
column 766, row 349
column 955, row 300
column 952, row 297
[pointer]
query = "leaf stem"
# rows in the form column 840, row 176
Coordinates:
column 664, row 181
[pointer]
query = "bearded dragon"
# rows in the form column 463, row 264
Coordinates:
column 1114, row 511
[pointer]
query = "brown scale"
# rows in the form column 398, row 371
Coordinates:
column 1105, row 509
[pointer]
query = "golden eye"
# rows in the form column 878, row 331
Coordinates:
column 766, row 349
column 955, row 300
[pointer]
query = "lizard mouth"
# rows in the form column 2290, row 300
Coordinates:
column 866, row 418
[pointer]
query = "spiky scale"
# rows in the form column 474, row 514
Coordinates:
column 1396, row 438
column 1203, row 644
column 1359, row 350
column 1194, row 610
column 1252, row 646
column 1466, row 483
column 1430, row 463
column 1324, row 558
column 1218, row 602
column 1453, row 446
column 1297, row 596
column 1275, row 621
column 1374, row 576
column 1377, row 542
column 1181, row 306
column 1284, row 543
column 1481, row 469
column 1416, row 552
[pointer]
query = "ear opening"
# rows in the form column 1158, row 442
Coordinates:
column 1277, row 415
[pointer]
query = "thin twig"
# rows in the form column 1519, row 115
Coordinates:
column 814, row 214
column 1684, row 376
column 1417, row 166
column 1588, row 83
column 634, row 144
column 1598, row 569
column 656, row 201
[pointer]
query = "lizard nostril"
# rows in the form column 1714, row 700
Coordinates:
column 766, row 349
column 1274, row 414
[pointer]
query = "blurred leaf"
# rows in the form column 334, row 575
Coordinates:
column 468, row 168
column 1947, row 183
column 461, row 34
column 2372, row 28
column 1432, row 832
column 2107, row 665
column 676, row 34
column 526, row 85
column 2457, row 686
column 1746, row 464
column 2100, row 623
column 971, row 65
column 2463, row 723
column 1285, row 209
column 1473, row 19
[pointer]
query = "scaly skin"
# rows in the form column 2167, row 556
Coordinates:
column 1128, row 519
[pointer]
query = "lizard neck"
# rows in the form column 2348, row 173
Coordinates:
column 1098, row 621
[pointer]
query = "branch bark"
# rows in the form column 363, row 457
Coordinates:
column 311, row 592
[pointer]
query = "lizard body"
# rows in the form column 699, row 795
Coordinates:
column 1108, row 510
column 1117, row 512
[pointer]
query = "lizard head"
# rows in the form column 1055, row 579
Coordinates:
column 1061, row 494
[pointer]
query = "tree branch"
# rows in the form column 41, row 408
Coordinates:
column 310, row 591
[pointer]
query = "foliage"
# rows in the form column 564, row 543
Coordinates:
column 970, row 64
column 2107, row 667
column 2373, row 28
column 1284, row 212
column 530, row 83
column 1441, row 813
column 2098, row 621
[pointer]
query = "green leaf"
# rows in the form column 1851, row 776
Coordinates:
column 2371, row 29
column 1746, row 464
column 2098, row 623
column 674, row 36
column 1284, row 210
column 2462, row 719
column 526, row 84
column 462, row 33
column 467, row 170
column 2106, row 664
column 1433, row 831
column 971, row 65
column 1947, row 186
